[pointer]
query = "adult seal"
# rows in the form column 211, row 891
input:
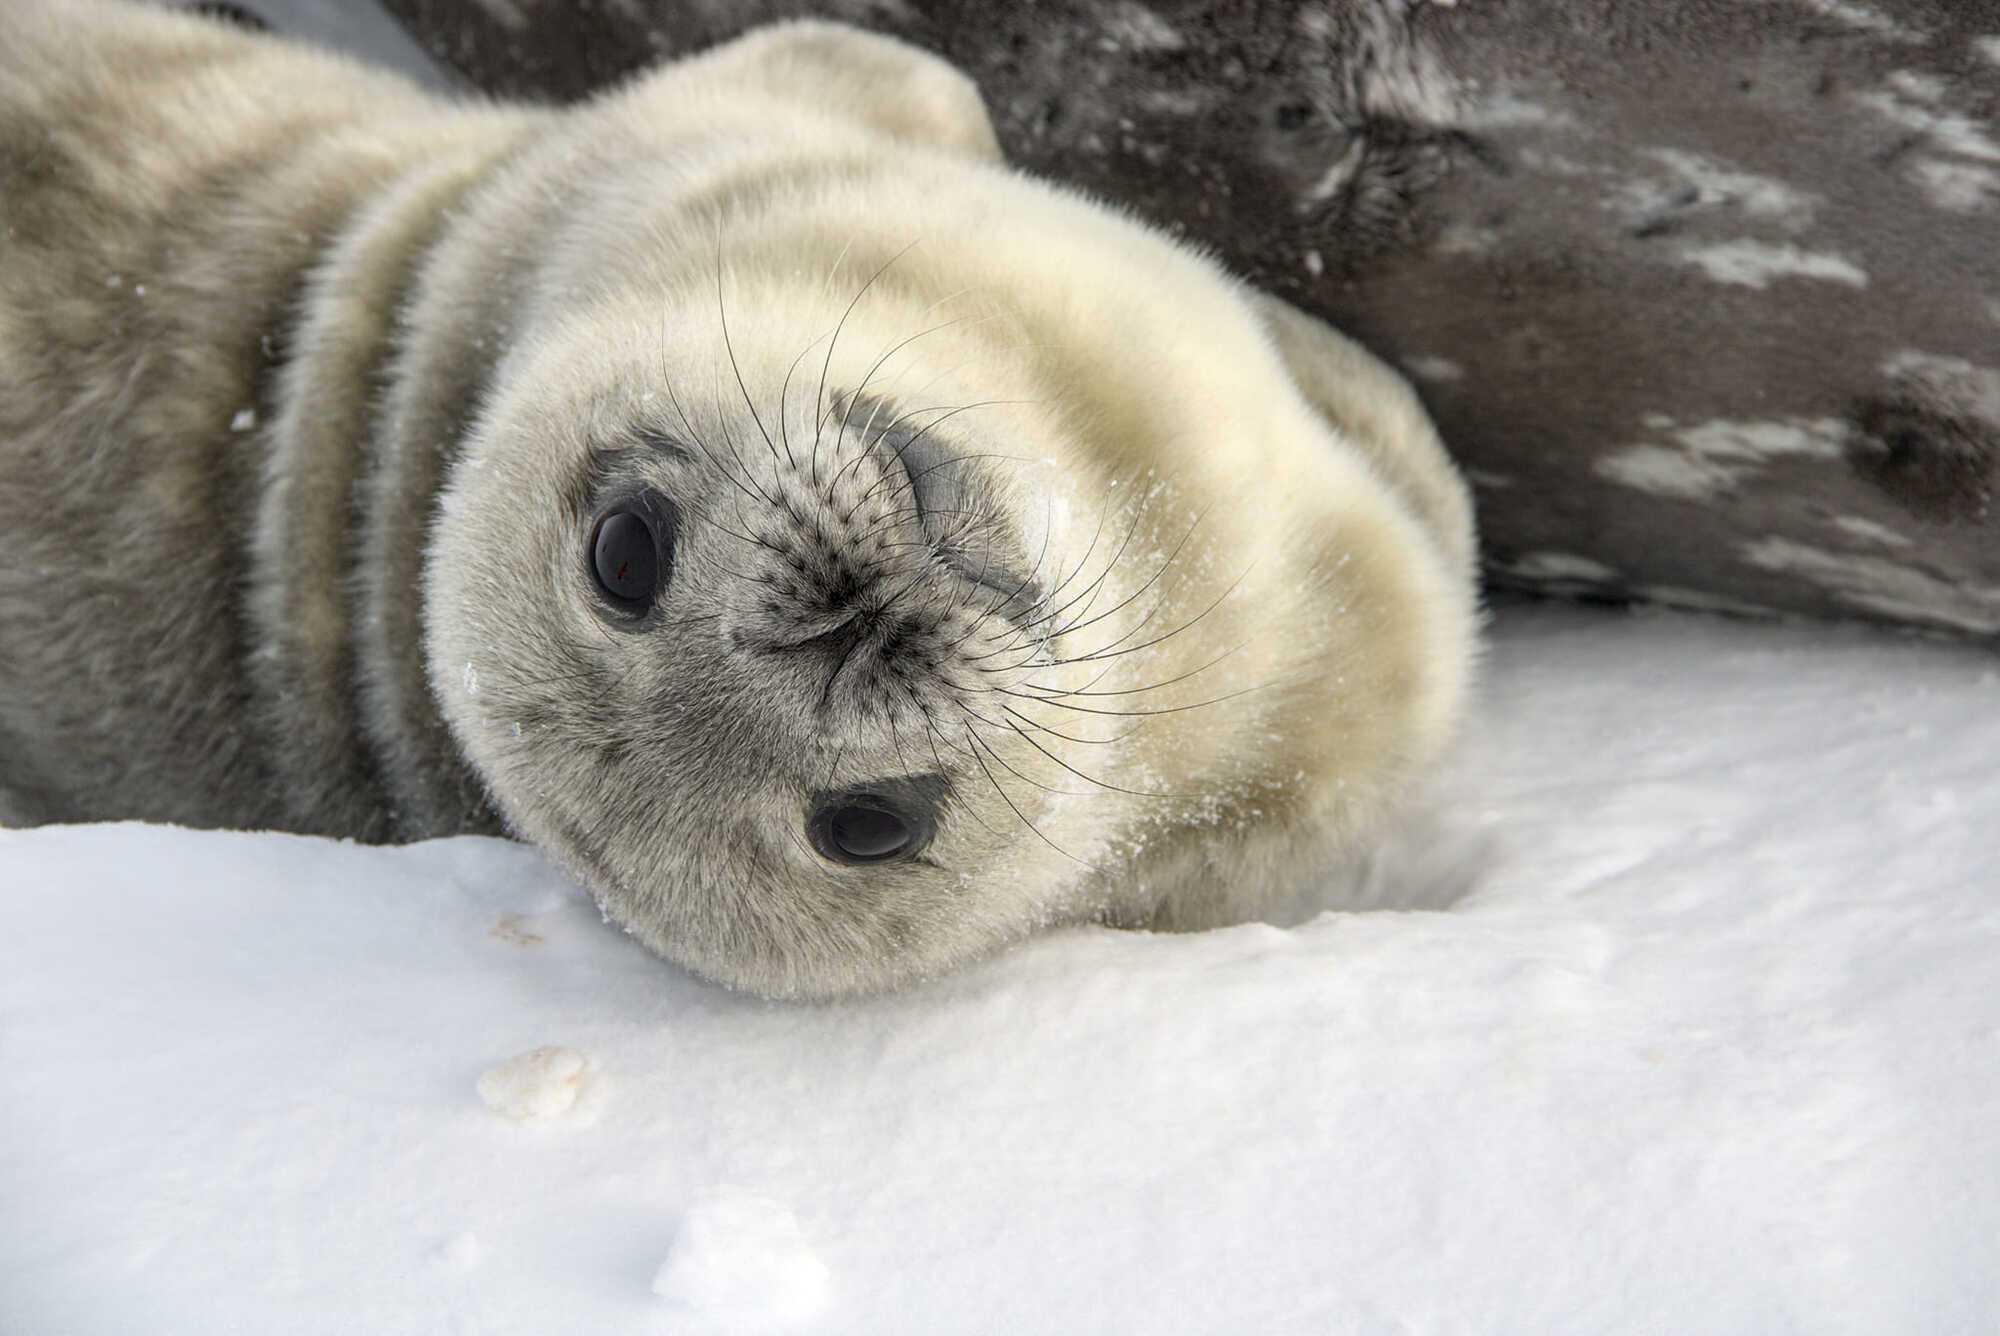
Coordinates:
column 844, row 553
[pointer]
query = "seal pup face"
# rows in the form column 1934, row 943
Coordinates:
column 759, row 657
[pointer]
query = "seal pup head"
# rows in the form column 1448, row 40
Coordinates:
column 840, row 609
column 760, row 658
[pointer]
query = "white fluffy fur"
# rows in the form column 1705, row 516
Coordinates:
column 1256, row 553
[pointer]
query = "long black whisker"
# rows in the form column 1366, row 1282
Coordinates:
column 1074, row 627
column 1027, row 626
column 1134, row 691
column 1134, row 714
column 1091, row 779
column 819, row 397
column 1058, row 733
column 784, row 408
column 722, row 315
column 1008, row 798
column 694, row 438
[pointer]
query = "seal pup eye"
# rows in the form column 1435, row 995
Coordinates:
column 631, row 552
column 866, row 829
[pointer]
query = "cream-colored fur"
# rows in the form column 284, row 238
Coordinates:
column 1190, row 604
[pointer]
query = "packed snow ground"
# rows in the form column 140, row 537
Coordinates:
column 1709, row 1041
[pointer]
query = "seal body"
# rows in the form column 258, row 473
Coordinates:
column 843, row 553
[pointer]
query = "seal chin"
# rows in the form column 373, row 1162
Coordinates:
column 782, row 940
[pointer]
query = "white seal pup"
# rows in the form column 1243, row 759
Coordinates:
column 846, row 554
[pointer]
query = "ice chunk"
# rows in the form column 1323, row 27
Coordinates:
column 742, row 1261
column 540, row 1084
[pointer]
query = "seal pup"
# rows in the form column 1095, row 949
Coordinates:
column 845, row 554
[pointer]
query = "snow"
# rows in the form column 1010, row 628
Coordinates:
column 537, row 1086
column 1680, row 1015
column 741, row 1260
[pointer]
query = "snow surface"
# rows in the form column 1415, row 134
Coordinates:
column 743, row 1256
column 1707, row 1039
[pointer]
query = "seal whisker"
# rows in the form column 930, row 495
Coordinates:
column 1092, row 779
column 934, row 734
column 926, row 571
column 839, row 754
column 901, row 452
column 908, row 486
column 1136, row 714
column 1111, row 651
column 1001, row 761
column 825, row 286
column 1154, row 686
column 1039, row 726
column 694, row 437
column 1028, row 625
column 862, row 388
column 1072, row 628
column 1145, row 620
column 737, row 534
column 819, row 398
column 729, row 440
column 970, row 322
column 888, row 519
column 964, row 595
column 1139, row 506
column 1056, row 693
column 1015, row 807
column 992, row 608
column 1070, row 614
column 722, row 316
column 826, row 282
column 864, row 453
column 784, row 408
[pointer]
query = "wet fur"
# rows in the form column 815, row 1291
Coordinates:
column 295, row 534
